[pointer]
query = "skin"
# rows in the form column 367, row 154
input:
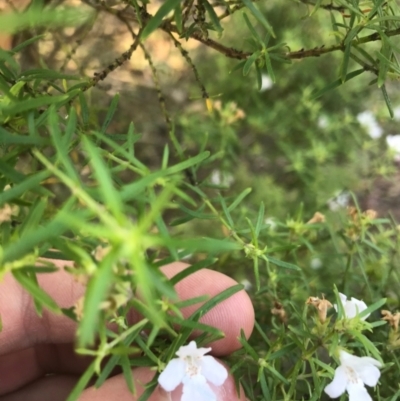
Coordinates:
column 32, row 347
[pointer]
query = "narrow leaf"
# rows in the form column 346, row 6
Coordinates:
column 156, row 21
column 260, row 17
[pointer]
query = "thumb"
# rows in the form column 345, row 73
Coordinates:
column 115, row 389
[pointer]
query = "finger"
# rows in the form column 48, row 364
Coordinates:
column 42, row 338
column 23, row 328
column 230, row 316
column 19, row 368
column 48, row 388
column 57, row 388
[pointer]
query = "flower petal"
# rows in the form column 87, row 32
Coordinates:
column 192, row 351
column 338, row 385
column 350, row 309
column 369, row 374
column 359, row 306
column 357, row 392
column 213, row 371
column 172, row 375
column 195, row 388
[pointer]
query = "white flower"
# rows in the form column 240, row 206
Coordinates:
column 266, row 83
column 368, row 120
column 222, row 178
column 271, row 222
column 323, row 121
column 193, row 369
column 316, row 263
column 396, row 113
column 393, row 142
column 351, row 375
column 339, row 201
column 352, row 307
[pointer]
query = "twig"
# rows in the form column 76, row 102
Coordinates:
column 100, row 76
column 185, row 55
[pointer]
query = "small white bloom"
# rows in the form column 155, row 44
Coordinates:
column 351, row 375
column 396, row 113
column 316, row 263
column 222, row 178
column 193, row 369
column 323, row 122
column 393, row 142
column 368, row 120
column 352, row 307
column 271, row 222
column 266, row 83
column 339, row 201
column 246, row 284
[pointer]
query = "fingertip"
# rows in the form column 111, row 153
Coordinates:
column 230, row 316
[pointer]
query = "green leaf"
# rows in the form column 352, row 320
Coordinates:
column 264, row 387
column 372, row 308
column 26, row 43
column 214, row 301
column 47, row 17
column 15, row 250
column 316, row 7
column 35, row 291
column 110, row 113
column 260, row 219
column 226, row 211
column 192, row 269
column 156, row 21
column 26, row 185
column 7, row 138
column 387, row 101
column 178, row 18
column 260, row 17
column 239, row 199
column 283, row 264
column 150, row 387
column 213, row 16
column 253, row 32
column 131, row 191
column 84, row 109
column 126, row 370
column 82, row 383
column 238, row 66
column 275, row 373
column 110, row 195
column 35, row 215
column 204, row 244
column 250, row 61
column 31, row 104
column 45, row 74
column 384, row 66
column 259, row 77
column 96, row 292
column 336, row 84
column 345, row 62
column 269, row 66
column 60, row 145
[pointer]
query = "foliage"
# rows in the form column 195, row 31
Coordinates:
column 236, row 187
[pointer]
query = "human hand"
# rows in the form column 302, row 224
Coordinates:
column 37, row 360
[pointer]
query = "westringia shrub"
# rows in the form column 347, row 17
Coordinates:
column 257, row 187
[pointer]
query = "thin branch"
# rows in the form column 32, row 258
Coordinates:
column 185, row 55
column 100, row 76
column 329, row 7
column 231, row 52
